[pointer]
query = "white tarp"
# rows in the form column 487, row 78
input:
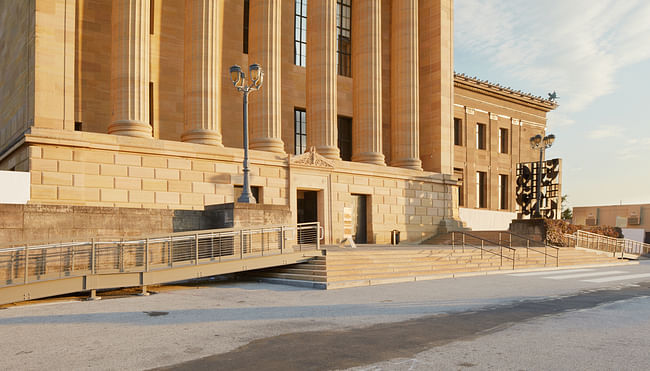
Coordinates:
column 636, row 234
column 486, row 220
column 14, row 187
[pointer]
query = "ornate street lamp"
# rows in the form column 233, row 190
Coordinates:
column 239, row 80
column 542, row 143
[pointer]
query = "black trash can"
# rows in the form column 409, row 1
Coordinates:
column 394, row 237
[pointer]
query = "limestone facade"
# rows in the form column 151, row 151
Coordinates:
column 156, row 72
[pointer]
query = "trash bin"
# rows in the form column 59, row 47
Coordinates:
column 394, row 237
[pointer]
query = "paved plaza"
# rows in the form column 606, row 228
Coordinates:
column 589, row 318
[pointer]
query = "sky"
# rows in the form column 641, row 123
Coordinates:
column 596, row 55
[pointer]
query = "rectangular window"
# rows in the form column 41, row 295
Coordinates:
column 300, row 34
column 458, row 132
column 503, row 140
column 461, row 186
column 151, row 107
column 152, row 16
column 345, row 137
column 78, row 126
column 246, row 18
column 503, row 192
column 481, row 189
column 300, row 120
column 481, row 140
column 343, row 33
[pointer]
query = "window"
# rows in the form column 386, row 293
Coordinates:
column 481, row 142
column 345, row 138
column 300, row 120
column 503, row 140
column 458, row 132
column 344, row 46
column 255, row 190
column 151, row 107
column 503, row 192
column 78, row 126
column 246, row 19
column 152, row 16
column 461, row 186
column 300, row 34
column 481, row 189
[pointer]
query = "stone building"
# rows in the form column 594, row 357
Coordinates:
column 634, row 220
column 128, row 103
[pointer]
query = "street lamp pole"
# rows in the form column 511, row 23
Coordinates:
column 542, row 143
column 239, row 80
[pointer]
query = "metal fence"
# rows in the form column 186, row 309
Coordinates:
column 25, row 264
column 616, row 246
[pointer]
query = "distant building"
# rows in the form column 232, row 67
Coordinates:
column 634, row 220
column 130, row 104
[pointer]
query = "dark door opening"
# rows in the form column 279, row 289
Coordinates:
column 360, row 218
column 647, row 237
column 307, row 206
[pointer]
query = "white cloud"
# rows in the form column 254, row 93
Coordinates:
column 573, row 47
column 605, row 132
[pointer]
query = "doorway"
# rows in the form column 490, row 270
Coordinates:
column 360, row 218
column 307, row 206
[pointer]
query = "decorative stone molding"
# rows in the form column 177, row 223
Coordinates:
column 311, row 158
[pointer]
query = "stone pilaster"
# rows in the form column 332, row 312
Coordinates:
column 436, row 35
column 202, row 82
column 130, row 68
column 404, row 72
column 366, row 72
column 321, row 78
column 264, row 49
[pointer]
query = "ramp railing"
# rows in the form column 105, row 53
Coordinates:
column 486, row 247
column 618, row 247
column 39, row 262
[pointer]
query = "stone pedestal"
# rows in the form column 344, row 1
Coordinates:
column 535, row 229
column 238, row 215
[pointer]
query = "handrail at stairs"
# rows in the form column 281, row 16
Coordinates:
column 528, row 247
column 617, row 246
column 482, row 247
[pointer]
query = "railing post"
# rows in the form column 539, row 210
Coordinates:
column 171, row 251
column 318, row 235
column 262, row 241
column 482, row 246
column 26, row 263
column 146, row 255
column 463, row 242
column 499, row 238
column 196, row 249
column 281, row 239
column 545, row 253
column 501, row 253
column 93, row 256
column 527, row 249
column 241, row 244
column 121, row 252
column 453, row 241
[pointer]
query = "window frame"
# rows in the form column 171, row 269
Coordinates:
column 504, row 140
column 481, row 190
column 458, row 131
column 344, row 37
column 300, row 33
column 344, row 136
column 481, row 136
column 503, row 190
column 300, row 131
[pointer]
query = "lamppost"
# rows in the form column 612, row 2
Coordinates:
column 542, row 143
column 239, row 80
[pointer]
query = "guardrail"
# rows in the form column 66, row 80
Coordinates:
column 33, row 263
column 616, row 246
column 466, row 239
column 515, row 241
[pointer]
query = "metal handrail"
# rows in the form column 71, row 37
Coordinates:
column 611, row 244
column 482, row 247
column 529, row 248
column 29, row 263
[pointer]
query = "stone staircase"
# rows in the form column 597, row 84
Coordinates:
column 339, row 268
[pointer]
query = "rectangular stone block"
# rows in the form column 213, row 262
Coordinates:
column 154, row 185
column 201, row 187
column 191, row 199
column 141, row 172
column 57, row 153
column 44, row 164
column 360, row 180
column 93, row 181
column 114, row 170
column 128, row 183
column 36, row 177
column 172, row 198
column 171, row 174
column 78, row 194
column 56, row 178
column 141, row 196
column 200, row 165
column 127, row 159
column 179, row 186
column 95, row 156
column 192, row 176
column 270, row 171
column 155, row 162
column 179, row 163
column 43, row 192
column 213, row 199
column 78, row 167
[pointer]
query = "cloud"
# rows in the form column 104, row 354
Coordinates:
column 605, row 132
column 573, row 47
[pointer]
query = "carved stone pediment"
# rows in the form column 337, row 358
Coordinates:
column 311, row 158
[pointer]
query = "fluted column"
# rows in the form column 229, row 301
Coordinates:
column 405, row 85
column 130, row 68
column 264, row 49
column 202, row 82
column 366, row 72
column 321, row 78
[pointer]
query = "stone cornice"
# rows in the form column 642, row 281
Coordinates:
column 501, row 92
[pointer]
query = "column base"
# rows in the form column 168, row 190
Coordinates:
column 131, row 128
column 202, row 136
column 268, row 144
column 408, row 163
column 375, row 158
column 331, row 153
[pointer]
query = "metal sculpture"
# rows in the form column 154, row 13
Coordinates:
column 549, row 192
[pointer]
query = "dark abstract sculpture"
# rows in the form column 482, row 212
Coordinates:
column 550, row 191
